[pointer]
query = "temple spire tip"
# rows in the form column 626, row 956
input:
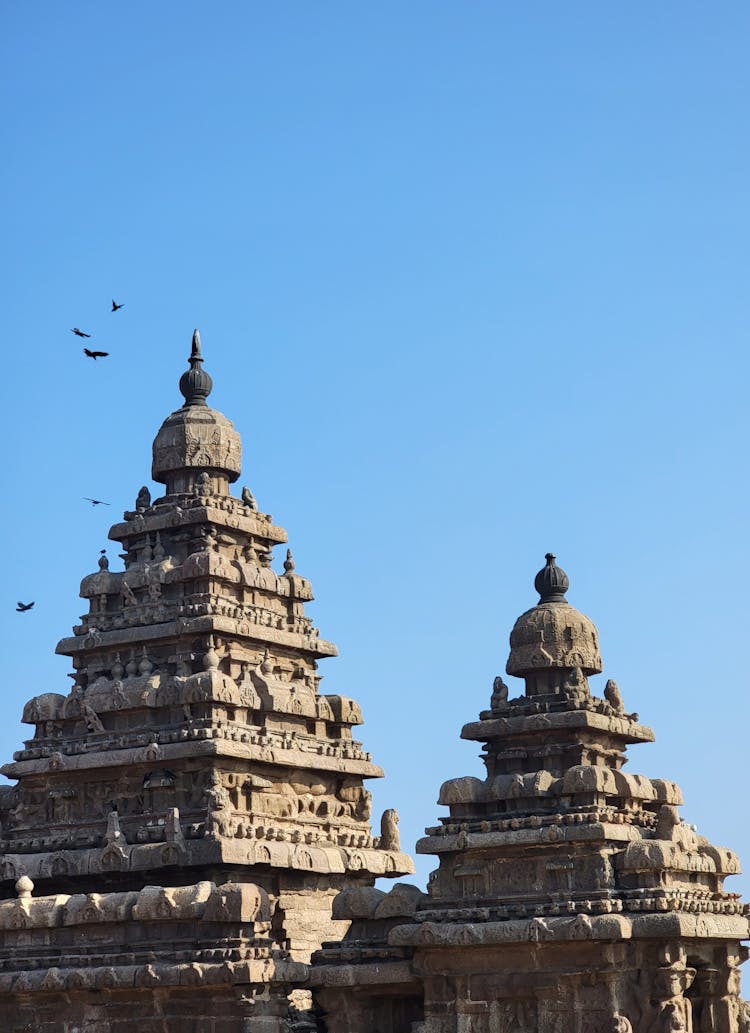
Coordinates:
column 195, row 383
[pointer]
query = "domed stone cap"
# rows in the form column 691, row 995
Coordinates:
column 553, row 634
column 195, row 438
column 551, row 582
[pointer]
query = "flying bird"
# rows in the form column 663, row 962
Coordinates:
column 79, row 333
column 95, row 355
column 95, row 502
column 23, row 607
column 115, row 306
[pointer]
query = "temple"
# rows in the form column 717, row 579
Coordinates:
column 194, row 795
column 569, row 896
column 186, row 846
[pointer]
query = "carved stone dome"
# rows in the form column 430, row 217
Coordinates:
column 195, row 438
column 553, row 634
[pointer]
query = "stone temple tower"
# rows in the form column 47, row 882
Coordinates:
column 193, row 752
column 570, row 897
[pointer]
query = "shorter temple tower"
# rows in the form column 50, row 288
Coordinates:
column 569, row 898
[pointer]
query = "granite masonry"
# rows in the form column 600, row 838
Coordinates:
column 186, row 845
column 569, row 896
column 183, row 818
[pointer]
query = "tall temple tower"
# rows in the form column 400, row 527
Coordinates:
column 194, row 749
column 570, row 897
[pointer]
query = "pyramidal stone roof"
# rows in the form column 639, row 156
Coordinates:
column 569, row 897
column 194, row 743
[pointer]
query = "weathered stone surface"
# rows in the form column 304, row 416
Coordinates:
column 139, row 974
column 194, row 748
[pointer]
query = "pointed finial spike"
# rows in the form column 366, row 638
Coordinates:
column 195, row 383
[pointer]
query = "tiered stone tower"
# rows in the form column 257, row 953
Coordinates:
column 569, row 897
column 194, row 747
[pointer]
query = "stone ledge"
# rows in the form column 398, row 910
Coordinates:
column 497, row 727
column 608, row 928
column 127, row 977
column 219, row 747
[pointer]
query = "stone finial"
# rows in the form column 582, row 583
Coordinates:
column 552, row 635
column 196, row 439
column 195, row 383
column 24, row 887
column 210, row 657
column 145, row 667
column 289, row 562
column 551, row 582
column 266, row 664
column 103, row 561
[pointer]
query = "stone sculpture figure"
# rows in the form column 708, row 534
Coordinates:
column 363, row 806
column 389, row 834
column 90, row 716
column 667, row 820
column 576, row 684
column 249, row 499
column 613, row 697
column 675, row 1010
column 218, row 802
column 673, row 1020
column 499, row 693
column 143, row 499
column 722, row 1010
column 203, row 485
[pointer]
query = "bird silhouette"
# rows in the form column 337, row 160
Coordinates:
column 79, row 333
column 115, row 306
column 95, row 355
column 95, row 502
column 23, row 607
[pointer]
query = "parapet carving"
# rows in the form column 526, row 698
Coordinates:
column 203, row 901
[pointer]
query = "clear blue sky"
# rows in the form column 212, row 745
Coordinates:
column 472, row 280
